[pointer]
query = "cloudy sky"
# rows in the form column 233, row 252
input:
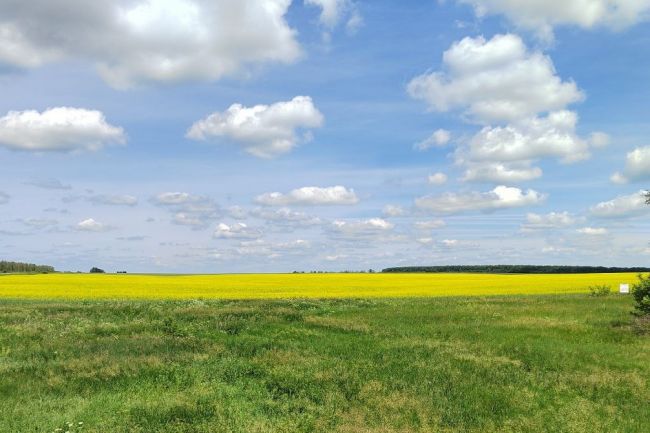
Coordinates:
column 279, row 135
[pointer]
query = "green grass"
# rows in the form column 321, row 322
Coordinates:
column 569, row 363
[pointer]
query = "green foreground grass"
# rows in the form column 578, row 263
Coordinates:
column 568, row 363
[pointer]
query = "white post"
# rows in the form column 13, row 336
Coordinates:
column 624, row 288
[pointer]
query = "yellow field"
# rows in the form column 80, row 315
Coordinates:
column 276, row 286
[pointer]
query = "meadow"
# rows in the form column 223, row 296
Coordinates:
column 558, row 363
column 287, row 286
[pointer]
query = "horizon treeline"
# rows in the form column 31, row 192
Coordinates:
column 7, row 267
column 515, row 269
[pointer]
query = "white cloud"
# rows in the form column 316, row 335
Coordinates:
column 286, row 216
column 188, row 209
column 335, row 11
column 495, row 80
column 369, row 226
column 593, row 231
column 189, row 219
column 449, row 243
column 501, row 197
column 90, row 225
column 331, row 10
column 114, row 200
column 501, row 173
column 265, row 131
column 429, row 225
column 310, row 196
column 58, row 129
column 499, row 81
column 176, row 198
column 533, row 138
column 156, row 40
column 235, row 231
column 4, row 197
column 623, row 206
column 439, row 138
column 542, row 16
column 391, row 210
column 437, row 179
column 553, row 220
column 637, row 166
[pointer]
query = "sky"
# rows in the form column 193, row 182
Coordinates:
column 211, row 136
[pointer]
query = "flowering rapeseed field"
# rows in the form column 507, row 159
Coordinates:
column 285, row 286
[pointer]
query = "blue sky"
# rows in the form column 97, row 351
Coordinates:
column 196, row 136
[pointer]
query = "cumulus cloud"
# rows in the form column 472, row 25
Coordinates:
column 131, row 42
column 438, row 179
column 4, row 197
column 637, row 166
column 62, row 129
column 494, row 80
column 501, row 173
column 501, row 197
column 310, row 196
column 235, row 231
column 90, row 225
column 542, row 16
column 369, row 226
column 439, row 138
column 550, row 136
column 335, row 11
column 519, row 97
column 593, row 231
column 265, row 131
column 188, row 209
column 623, row 206
column 553, row 220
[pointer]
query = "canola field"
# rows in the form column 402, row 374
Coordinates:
column 296, row 286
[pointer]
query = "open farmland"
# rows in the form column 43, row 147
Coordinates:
column 285, row 286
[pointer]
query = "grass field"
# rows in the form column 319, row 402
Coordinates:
column 560, row 363
column 285, row 286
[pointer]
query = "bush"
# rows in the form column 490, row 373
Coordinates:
column 641, row 294
column 97, row 271
column 600, row 290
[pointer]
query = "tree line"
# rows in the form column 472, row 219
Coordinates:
column 11, row 267
column 516, row 269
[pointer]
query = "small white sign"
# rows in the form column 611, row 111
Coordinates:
column 625, row 288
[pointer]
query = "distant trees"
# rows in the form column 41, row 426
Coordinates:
column 19, row 267
column 516, row 269
column 95, row 270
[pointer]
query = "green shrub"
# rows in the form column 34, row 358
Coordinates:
column 641, row 294
column 600, row 290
